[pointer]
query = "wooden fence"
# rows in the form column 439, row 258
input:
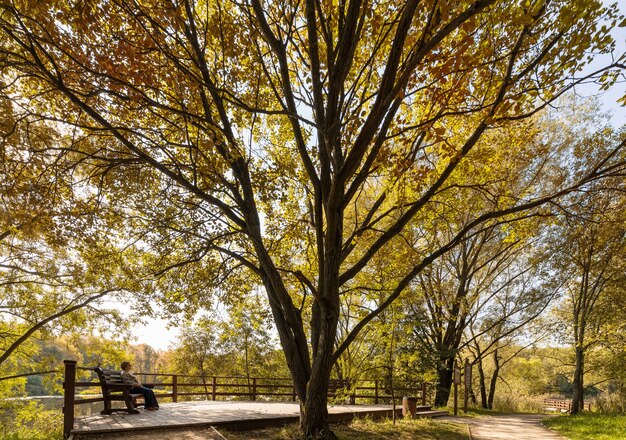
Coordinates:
column 185, row 387
column 562, row 405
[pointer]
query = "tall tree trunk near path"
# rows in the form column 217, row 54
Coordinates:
column 483, row 384
column 494, row 380
column 578, row 385
column 444, row 382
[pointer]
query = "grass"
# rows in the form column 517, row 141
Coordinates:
column 589, row 426
column 364, row 429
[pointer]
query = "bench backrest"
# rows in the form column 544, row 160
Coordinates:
column 107, row 378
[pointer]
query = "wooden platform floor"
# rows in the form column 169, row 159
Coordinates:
column 233, row 415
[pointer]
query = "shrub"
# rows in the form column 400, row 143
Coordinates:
column 27, row 420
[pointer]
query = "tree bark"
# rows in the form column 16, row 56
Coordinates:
column 483, row 384
column 578, row 385
column 314, row 410
column 494, row 380
column 472, row 396
column 444, row 385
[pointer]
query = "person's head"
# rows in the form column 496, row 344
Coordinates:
column 125, row 366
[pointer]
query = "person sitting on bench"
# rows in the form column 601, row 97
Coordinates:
column 138, row 388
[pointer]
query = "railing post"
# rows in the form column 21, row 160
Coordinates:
column 214, row 386
column 376, row 392
column 293, row 390
column 253, row 389
column 424, row 393
column 175, row 388
column 69, row 389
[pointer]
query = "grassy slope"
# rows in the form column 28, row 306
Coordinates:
column 421, row 429
column 589, row 426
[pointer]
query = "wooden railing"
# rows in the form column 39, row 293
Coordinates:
column 560, row 404
column 185, row 386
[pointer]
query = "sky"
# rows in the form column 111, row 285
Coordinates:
column 155, row 332
column 608, row 99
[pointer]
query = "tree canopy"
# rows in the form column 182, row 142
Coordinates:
column 298, row 144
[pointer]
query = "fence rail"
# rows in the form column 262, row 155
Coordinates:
column 560, row 404
column 175, row 386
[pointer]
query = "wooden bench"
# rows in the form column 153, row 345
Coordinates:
column 115, row 389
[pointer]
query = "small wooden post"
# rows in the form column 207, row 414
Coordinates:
column 175, row 388
column 376, row 392
column 69, row 387
column 253, row 389
column 293, row 390
column 214, row 386
column 424, row 393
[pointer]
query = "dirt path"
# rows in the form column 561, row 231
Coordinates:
column 174, row 434
column 504, row 427
column 509, row 427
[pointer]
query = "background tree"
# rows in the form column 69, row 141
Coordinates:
column 480, row 289
column 591, row 244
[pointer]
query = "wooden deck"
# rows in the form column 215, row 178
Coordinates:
column 231, row 415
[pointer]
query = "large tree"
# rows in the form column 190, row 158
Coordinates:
column 295, row 140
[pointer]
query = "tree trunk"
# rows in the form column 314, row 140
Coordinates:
column 494, row 379
column 472, row 396
column 483, row 384
column 314, row 412
column 577, row 394
column 444, row 385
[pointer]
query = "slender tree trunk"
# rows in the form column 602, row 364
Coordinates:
column 247, row 363
column 391, row 358
column 483, row 384
column 472, row 396
column 577, row 394
column 494, row 379
column 444, row 375
column 203, row 375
